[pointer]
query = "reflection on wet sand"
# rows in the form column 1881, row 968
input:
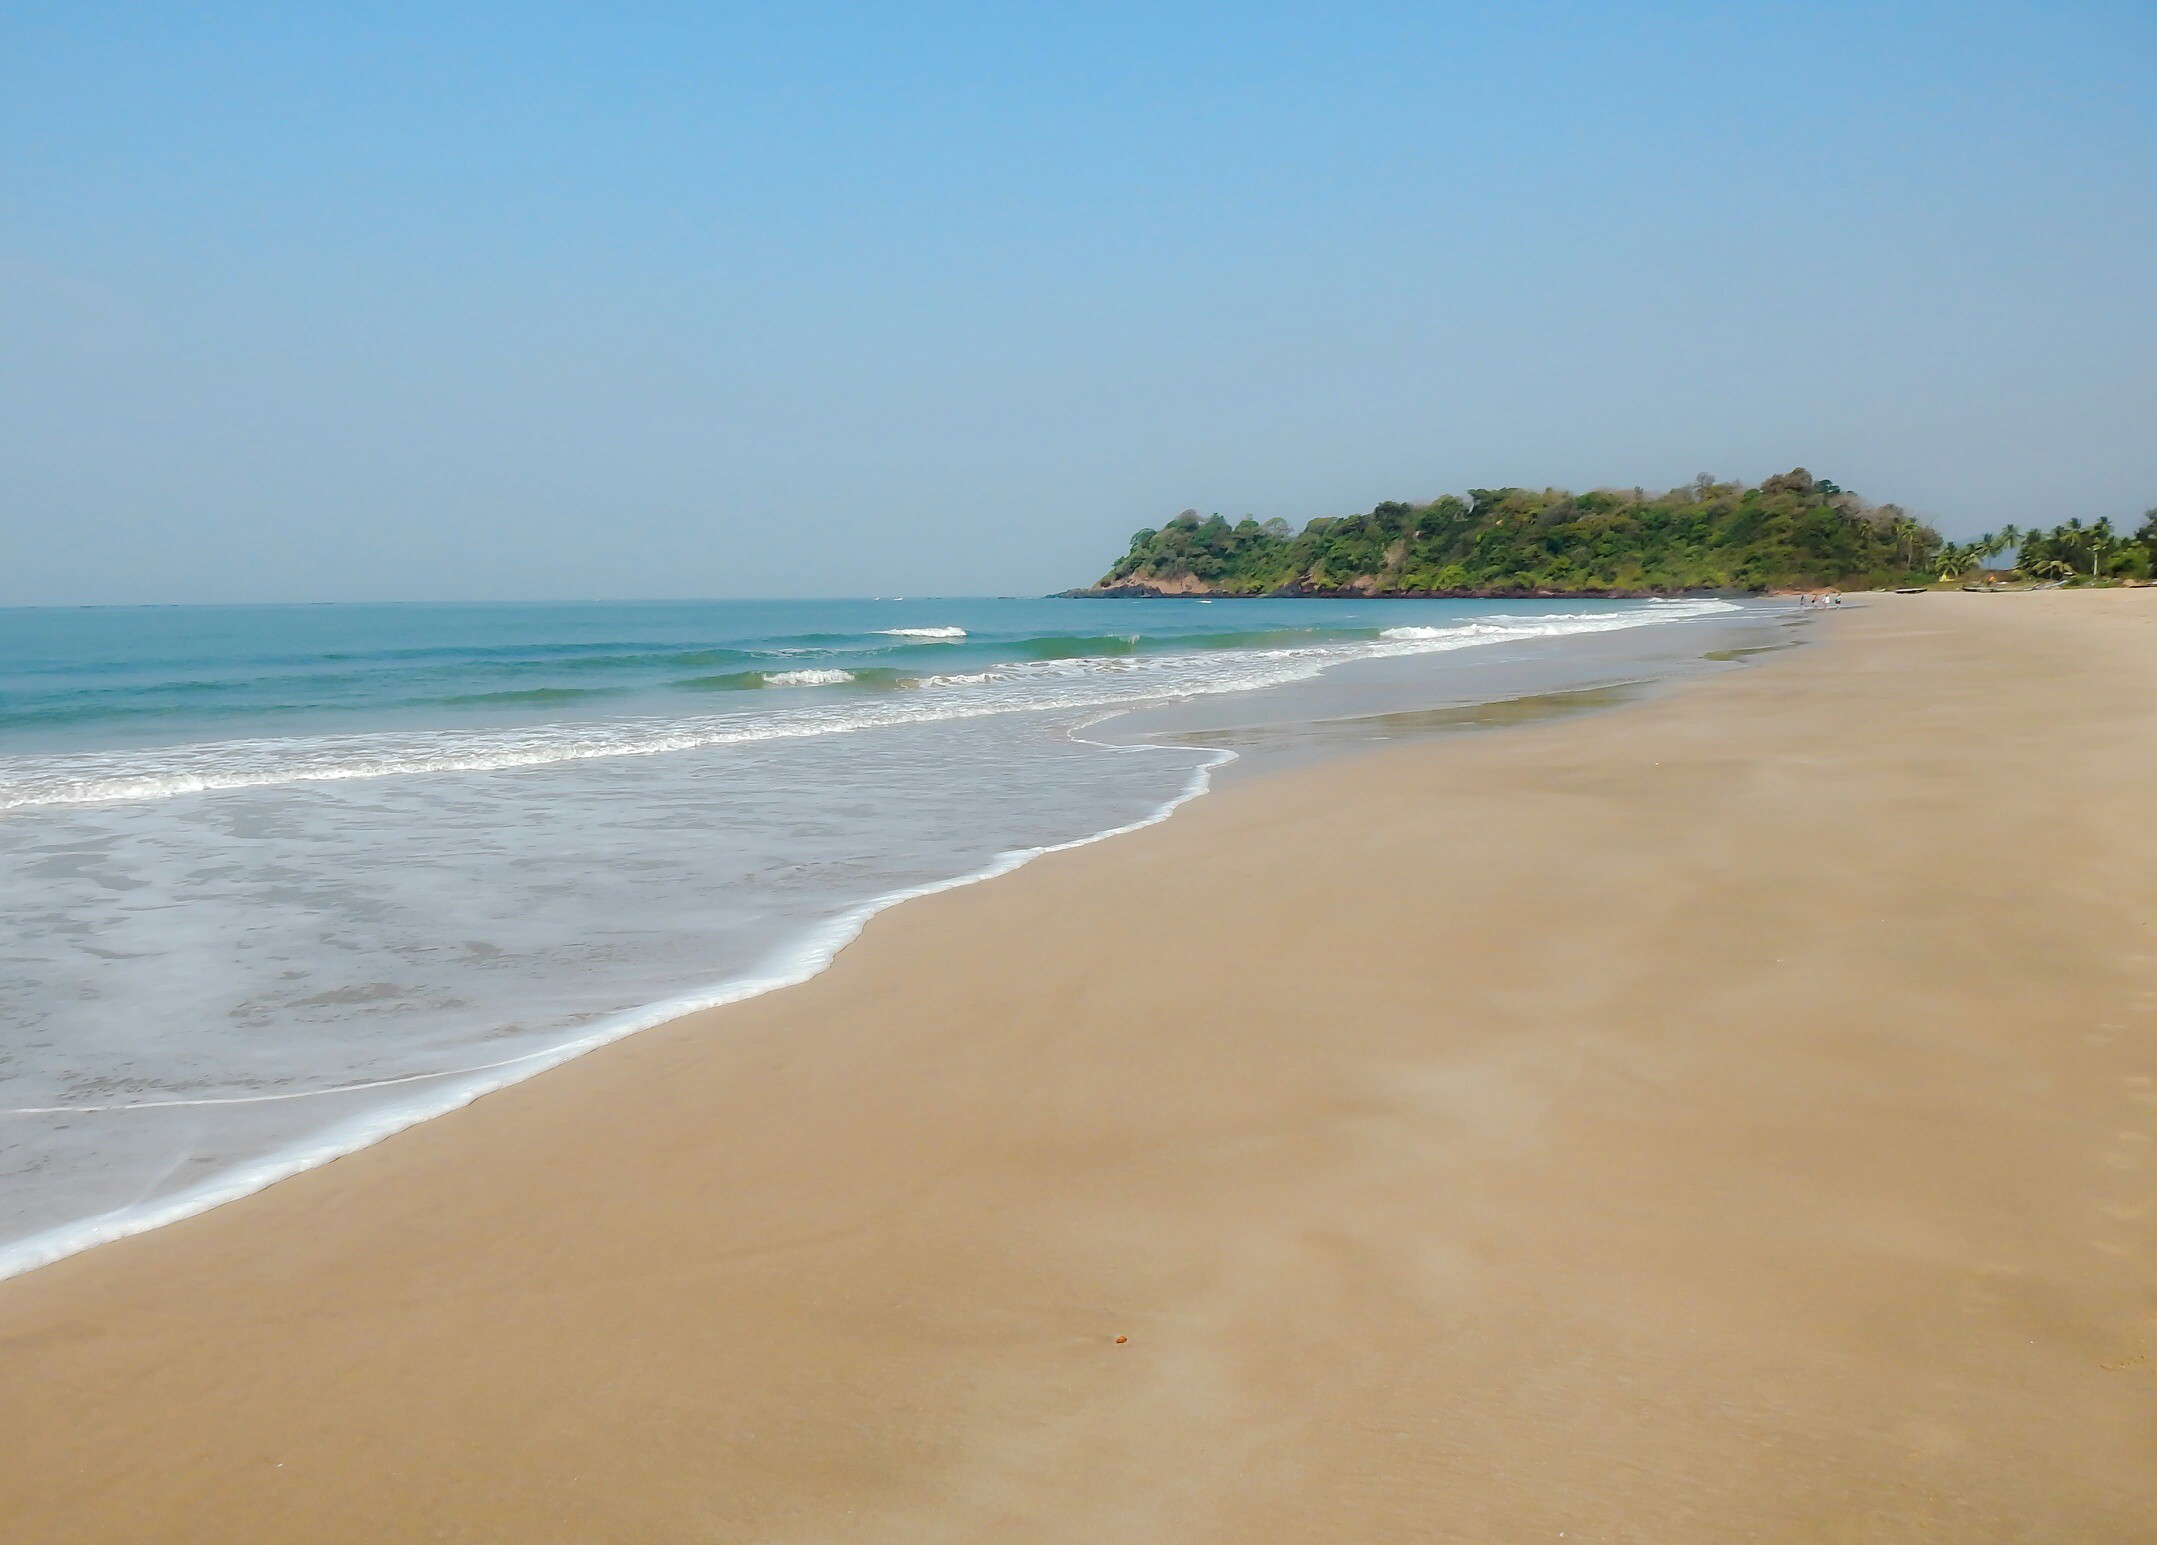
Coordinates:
column 1504, row 712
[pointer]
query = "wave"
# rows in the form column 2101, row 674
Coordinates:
column 1038, row 681
column 756, row 681
column 1066, row 646
column 456, row 1088
column 302, row 691
column 921, row 632
column 1513, row 625
column 731, row 681
column 527, row 695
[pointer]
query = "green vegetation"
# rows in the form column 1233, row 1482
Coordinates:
column 1792, row 531
column 2071, row 552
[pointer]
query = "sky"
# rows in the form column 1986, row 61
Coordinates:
column 521, row 302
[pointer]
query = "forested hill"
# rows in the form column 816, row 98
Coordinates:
column 1794, row 530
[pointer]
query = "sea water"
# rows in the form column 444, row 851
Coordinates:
column 277, row 881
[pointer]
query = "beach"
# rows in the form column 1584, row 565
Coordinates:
column 1724, row 1116
column 279, row 881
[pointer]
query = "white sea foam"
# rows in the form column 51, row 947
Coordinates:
column 451, row 1091
column 807, row 678
column 1024, row 686
column 1505, row 625
column 376, row 929
column 922, row 632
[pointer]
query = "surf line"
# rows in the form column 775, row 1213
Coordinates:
column 264, row 1099
column 1200, row 773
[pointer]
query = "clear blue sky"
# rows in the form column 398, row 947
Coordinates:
column 534, row 301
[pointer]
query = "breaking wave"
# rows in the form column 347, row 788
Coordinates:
column 1041, row 679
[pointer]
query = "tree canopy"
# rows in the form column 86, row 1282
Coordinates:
column 2070, row 551
column 1791, row 531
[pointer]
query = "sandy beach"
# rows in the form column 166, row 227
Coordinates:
column 1726, row 1117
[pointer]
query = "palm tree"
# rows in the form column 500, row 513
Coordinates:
column 1953, row 562
column 2100, row 540
column 1909, row 533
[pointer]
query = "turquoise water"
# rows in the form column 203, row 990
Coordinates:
column 275, row 881
column 95, row 677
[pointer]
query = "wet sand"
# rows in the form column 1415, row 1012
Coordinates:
column 1725, row 1117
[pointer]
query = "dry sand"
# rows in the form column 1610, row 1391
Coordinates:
column 1726, row 1118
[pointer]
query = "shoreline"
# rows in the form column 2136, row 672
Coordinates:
column 803, row 962
column 452, row 1090
column 1487, row 1137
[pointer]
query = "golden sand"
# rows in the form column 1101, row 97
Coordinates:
column 1725, row 1118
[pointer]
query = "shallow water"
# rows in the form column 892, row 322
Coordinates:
column 277, row 880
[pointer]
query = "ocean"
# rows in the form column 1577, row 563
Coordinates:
column 277, row 881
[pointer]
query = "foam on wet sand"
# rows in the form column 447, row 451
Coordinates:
column 1726, row 1116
